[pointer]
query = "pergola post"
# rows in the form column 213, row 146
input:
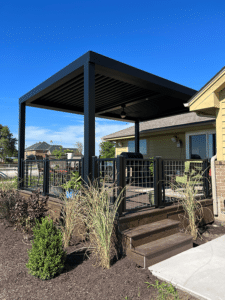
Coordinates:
column 89, row 119
column 136, row 136
column 21, row 146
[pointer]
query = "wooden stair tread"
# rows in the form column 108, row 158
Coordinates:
column 150, row 228
column 162, row 244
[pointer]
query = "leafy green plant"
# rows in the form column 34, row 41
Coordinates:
column 59, row 153
column 47, row 256
column 151, row 165
column 74, row 183
column 164, row 290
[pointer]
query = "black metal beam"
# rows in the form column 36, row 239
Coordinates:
column 89, row 119
column 21, row 146
column 137, row 136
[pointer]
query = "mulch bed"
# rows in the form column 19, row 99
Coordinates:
column 79, row 279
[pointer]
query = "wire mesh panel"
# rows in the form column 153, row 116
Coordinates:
column 106, row 175
column 30, row 174
column 60, row 172
column 182, row 174
column 139, row 183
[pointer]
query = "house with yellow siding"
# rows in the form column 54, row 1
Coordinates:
column 183, row 136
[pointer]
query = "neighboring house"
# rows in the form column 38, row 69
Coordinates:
column 44, row 149
column 182, row 136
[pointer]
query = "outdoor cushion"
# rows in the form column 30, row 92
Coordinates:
column 192, row 173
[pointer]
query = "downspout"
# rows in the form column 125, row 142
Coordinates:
column 213, row 178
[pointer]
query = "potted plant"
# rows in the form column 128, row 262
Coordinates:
column 73, row 185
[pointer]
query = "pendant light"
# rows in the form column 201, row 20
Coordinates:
column 123, row 114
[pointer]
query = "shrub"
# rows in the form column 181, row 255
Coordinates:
column 47, row 256
column 17, row 210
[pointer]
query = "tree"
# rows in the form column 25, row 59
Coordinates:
column 7, row 143
column 79, row 146
column 107, row 149
column 59, row 153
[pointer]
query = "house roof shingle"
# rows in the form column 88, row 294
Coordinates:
column 163, row 123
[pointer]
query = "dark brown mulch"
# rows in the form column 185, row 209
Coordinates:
column 79, row 279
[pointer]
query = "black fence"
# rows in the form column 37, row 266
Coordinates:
column 145, row 182
column 49, row 175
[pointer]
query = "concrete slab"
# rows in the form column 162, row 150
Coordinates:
column 199, row 271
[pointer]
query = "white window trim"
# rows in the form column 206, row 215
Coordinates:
column 188, row 134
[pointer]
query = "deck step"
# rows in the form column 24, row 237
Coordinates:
column 151, row 253
column 150, row 232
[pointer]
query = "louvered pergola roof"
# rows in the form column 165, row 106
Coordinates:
column 115, row 84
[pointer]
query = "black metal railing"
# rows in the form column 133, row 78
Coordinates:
column 146, row 182
column 49, row 175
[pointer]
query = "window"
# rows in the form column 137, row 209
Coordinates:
column 200, row 144
column 142, row 146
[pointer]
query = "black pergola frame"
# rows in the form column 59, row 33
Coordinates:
column 98, row 86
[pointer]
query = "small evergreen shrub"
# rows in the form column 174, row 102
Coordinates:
column 47, row 256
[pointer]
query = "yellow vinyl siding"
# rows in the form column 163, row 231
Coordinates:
column 120, row 150
column 206, row 95
column 162, row 145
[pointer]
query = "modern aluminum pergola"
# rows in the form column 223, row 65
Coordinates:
column 97, row 86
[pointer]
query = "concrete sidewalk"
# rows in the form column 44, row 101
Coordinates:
column 200, row 271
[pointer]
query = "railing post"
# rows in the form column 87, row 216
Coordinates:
column 163, row 182
column 27, row 174
column 206, row 177
column 113, row 198
column 121, row 182
column 82, row 168
column 46, row 177
column 158, row 182
column 103, row 169
column 22, row 174
column 94, row 168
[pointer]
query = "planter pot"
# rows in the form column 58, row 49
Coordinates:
column 151, row 198
column 70, row 193
column 56, row 190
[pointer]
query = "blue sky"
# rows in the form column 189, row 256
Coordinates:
column 182, row 41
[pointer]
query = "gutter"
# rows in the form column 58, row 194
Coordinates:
column 213, row 177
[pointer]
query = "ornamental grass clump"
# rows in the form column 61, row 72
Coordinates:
column 91, row 208
column 99, row 218
column 71, row 214
column 47, row 256
column 191, row 205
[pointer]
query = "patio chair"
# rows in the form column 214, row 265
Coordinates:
column 192, row 173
